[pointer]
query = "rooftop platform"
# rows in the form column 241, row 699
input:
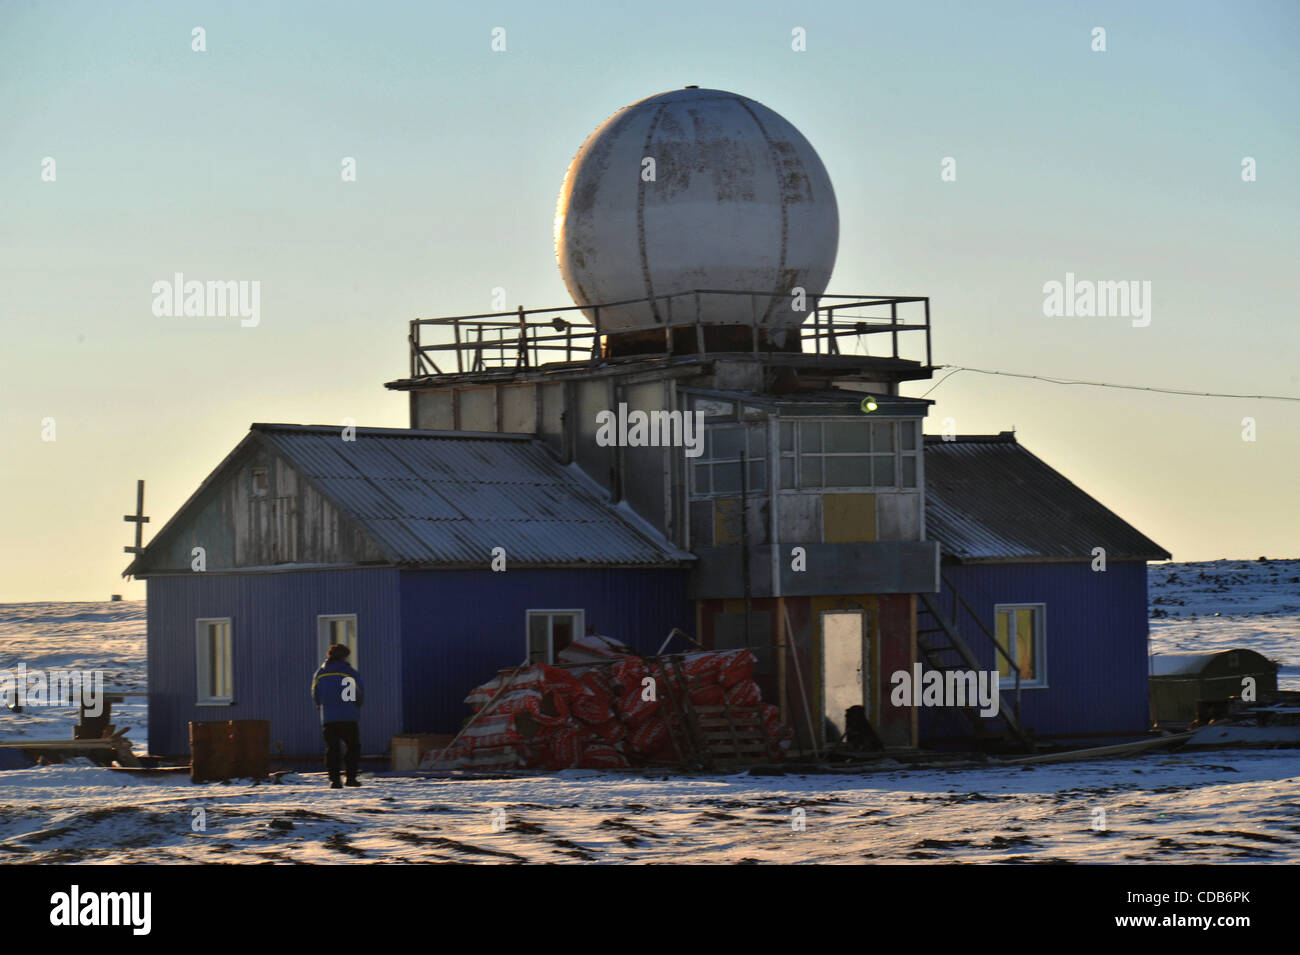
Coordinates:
column 838, row 338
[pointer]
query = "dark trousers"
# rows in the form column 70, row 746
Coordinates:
column 348, row 733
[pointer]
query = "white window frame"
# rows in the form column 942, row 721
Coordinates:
column 203, row 675
column 1040, row 645
column 323, row 640
column 579, row 629
column 754, row 431
column 796, row 454
column 915, row 453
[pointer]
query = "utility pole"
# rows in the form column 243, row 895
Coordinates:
column 138, row 519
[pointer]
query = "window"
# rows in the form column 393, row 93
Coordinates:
column 717, row 473
column 850, row 452
column 908, row 451
column 812, row 453
column 1020, row 631
column 214, row 659
column 550, row 631
column 338, row 628
column 259, row 481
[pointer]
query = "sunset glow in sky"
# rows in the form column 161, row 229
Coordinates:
column 1122, row 165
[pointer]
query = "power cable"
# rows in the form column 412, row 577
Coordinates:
column 1104, row 384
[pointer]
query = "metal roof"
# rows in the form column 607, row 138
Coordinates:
column 989, row 499
column 1196, row 664
column 447, row 498
column 450, row 497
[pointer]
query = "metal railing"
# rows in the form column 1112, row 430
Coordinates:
column 527, row 338
column 999, row 649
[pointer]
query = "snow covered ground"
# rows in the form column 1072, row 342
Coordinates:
column 108, row 637
column 1181, row 807
column 1190, row 807
column 1226, row 604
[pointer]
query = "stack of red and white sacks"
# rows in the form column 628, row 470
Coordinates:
column 599, row 714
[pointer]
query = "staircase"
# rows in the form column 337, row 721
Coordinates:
column 939, row 646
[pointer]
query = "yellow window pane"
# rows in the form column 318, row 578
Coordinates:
column 1003, row 636
column 218, row 660
column 214, row 659
column 1025, row 643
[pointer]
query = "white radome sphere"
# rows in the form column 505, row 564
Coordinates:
column 740, row 201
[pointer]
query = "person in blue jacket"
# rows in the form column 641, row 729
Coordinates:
column 337, row 692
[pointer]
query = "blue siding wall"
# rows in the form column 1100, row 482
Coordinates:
column 462, row 626
column 1096, row 629
column 275, row 650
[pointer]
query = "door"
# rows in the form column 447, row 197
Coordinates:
column 844, row 660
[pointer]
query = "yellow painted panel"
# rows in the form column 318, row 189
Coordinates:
column 726, row 521
column 849, row 518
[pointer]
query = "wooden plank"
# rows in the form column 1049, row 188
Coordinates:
column 1102, row 752
column 151, row 771
column 725, row 732
column 108, row 749
column 1283, row 735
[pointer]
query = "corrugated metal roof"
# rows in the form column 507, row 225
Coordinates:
column 449, row 498
column 987, row 498
column 1177, row 664
column 1196, row 664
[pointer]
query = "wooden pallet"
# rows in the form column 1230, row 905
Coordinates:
column 705, row 737
column 733, row 734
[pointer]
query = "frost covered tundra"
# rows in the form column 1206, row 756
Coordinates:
column 1217, row 806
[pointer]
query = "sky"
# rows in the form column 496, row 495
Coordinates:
column 225, row 163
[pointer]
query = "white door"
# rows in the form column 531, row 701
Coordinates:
column 844, row 657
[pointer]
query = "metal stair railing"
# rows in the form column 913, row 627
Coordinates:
column 1011, row 717
column 998, row 648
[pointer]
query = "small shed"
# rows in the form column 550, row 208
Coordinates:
column 1179, row 680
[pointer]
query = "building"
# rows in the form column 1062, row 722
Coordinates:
column 1035, row 566
column 705, row 440
column 385, row 539
column 821, row 530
